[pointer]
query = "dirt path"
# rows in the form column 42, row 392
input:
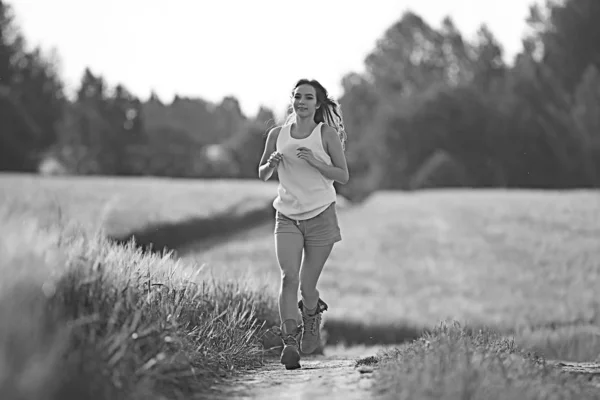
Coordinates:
column 332, row 376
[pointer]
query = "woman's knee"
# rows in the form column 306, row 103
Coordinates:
column 290, row 280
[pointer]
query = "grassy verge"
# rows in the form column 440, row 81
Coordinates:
column 83, row 318
column 453, row 363
column 578, row 342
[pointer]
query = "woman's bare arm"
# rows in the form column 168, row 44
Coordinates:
column 265, row 171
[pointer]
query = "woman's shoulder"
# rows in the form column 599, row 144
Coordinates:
column 276, row 129
column 273, row 133
column 328, row 131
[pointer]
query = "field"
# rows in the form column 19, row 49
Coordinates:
column 120, row 206
column 524, row 264
column 510, row 260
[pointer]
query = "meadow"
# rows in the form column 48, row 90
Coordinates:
column 119, row 206
column 508, row 260
column 520, row 265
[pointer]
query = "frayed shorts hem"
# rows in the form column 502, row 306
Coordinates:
column 322, row 230
column 314, row 243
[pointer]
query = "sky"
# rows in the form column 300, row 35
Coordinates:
column 254, row 50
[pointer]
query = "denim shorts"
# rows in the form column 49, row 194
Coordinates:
column 322, row 230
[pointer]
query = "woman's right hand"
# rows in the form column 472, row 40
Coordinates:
column 275, row 159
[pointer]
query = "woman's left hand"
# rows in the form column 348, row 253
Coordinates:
column 308, row 156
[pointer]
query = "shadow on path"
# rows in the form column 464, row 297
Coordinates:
column 351, row 333
column 174, row 236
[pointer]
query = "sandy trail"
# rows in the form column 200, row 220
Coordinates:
column 329, row 376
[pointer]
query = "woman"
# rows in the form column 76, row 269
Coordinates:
column 308, row 154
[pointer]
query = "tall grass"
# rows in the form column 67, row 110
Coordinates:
column 455, row 363
column 83, row 318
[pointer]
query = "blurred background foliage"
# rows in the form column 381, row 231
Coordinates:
column 431, row 110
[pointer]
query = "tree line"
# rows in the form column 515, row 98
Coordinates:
column 430, row 109
column 434, row 109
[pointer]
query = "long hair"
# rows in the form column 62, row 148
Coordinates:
column 329, row 111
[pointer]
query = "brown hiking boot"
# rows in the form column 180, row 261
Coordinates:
column 290, row 356
column 311, row 327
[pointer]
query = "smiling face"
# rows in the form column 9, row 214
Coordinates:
column 304, row 101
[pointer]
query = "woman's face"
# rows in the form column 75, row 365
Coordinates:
column 304, row 101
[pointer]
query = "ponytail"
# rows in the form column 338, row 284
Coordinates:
column 330, row 113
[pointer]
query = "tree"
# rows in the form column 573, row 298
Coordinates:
column 487, row 61
column 31, row 99
column 407, row 58
column 247, row 145
column 101, row 128
column 567, row 35
column 359, row 103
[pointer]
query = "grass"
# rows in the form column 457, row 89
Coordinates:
column 83, row 317
column 452, row 363
column 508, row 260
column 520, row 265
column 120, row 206
column 523, row 265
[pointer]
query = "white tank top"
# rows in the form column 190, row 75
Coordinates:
column 303, row 191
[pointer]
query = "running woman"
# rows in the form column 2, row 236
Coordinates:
column 308, row 154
